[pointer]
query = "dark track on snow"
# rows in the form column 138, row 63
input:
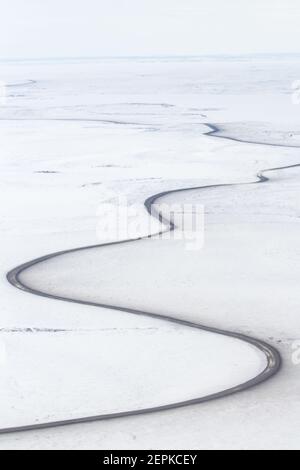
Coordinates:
column 273, row 357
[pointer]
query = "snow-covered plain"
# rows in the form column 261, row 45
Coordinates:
column 84, row 133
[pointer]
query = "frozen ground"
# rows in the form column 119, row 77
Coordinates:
column 84, row 133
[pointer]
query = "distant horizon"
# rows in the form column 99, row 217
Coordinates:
column 153, row 56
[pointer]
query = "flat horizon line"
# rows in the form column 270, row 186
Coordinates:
column 149, row 57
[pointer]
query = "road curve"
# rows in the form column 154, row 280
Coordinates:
column 273, row 357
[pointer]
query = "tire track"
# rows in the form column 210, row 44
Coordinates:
column 94, row 120
column 273, row 357
column 27, row 83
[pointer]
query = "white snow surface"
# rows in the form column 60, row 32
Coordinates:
column 75, row 135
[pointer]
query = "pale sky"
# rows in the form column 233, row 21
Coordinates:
column 89, row 28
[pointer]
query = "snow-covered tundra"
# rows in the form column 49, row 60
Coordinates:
column 76, row 135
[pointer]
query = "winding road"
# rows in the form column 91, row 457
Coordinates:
column 272, row 355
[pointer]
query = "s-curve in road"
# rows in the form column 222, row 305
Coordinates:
column 272, row 356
